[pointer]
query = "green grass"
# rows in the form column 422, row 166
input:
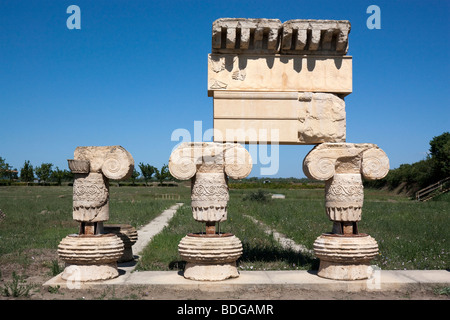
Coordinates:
column 410, row 234
column 39, row 216
column 261, row 251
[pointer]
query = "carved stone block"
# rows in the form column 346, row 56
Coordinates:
column 90, row 258
column 342, row 166
column 345, row 258
column 208, row 165
column 241, row 35
column 270, row 36
column 210, row 258
column 90, row 197
column 326, row 159
column 279, row 117
column 114, row 162
column 92, row 167
column 323, row 37
column 279, row 73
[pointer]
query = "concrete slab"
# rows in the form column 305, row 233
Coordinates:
column 383, row 280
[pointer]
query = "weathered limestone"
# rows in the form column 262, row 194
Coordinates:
column 345, row 253
column 345, row 257
column 92, row 167
column 285, row 83
column 211, row 255
column 291, row 117
column 92, row 255
column 279, row 83
column 279, row 73
column 327, row 37
column 270, row 36
column 231, row 35
column 210, row 258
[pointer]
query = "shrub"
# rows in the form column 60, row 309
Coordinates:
column 260, row 196
column 17, row 287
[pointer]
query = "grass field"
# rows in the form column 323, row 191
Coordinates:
column 410, row 234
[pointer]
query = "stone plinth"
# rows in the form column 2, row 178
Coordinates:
column 211, row 258
column 345, row 257
column 90, row 258
column 128, row 234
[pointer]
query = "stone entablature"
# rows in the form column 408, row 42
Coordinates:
column 274, row 82
column 271, row 36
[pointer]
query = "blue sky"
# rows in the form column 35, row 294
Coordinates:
column 137, row 70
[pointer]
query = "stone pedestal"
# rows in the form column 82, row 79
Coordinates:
column 210, row 256
column 90, row 258
column 345, row 257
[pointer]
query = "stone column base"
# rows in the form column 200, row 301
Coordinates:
column 90, row 258
column 340, row 271
column 210, row 258
column 345, row 257
column 93, row 272
column 210, row 272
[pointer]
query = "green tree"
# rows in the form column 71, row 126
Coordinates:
column 57, row 175
column 162, row 175
column 134, row 176
column 440, row 156
column 27, row 172
column 68, row 175
column 4, row 167
column 44, row 171
column 147, row 171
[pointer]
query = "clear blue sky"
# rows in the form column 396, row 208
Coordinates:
column 137, row 70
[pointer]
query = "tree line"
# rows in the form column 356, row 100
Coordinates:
column 46, row 173
column 413, row 177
